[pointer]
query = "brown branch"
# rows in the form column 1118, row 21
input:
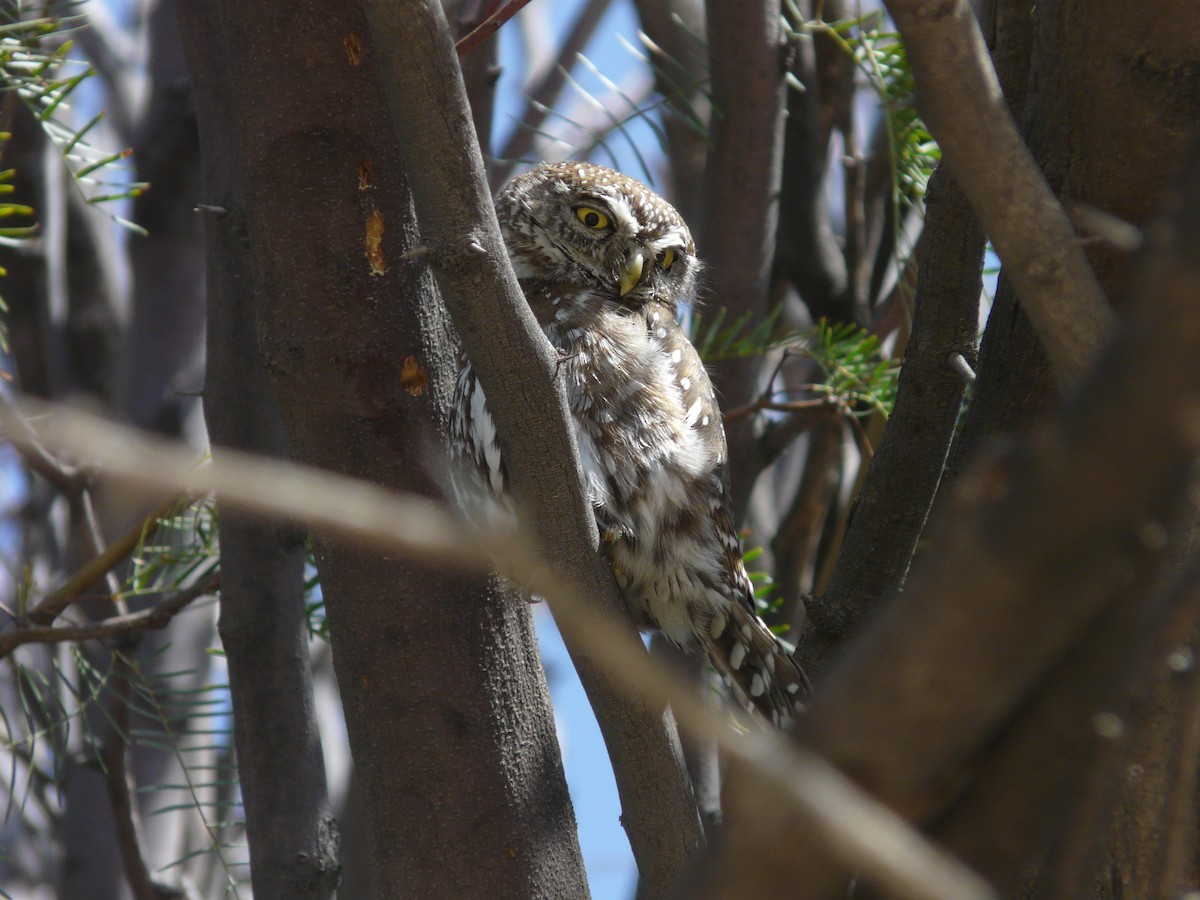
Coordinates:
column 807, row 253
column 73, row 482
column 263, row 620
column 796, row 540
column 52, row 605
column 83, row 509
column 1178, row 815
column 1019, row 212
column 744, row 174
column 68, row 479
column 899, row 487
column 1035, row 545
column 489, row 26
column 157, row 616
column 839, row 819
column 763, row 403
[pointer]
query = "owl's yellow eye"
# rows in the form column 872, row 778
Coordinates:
column 592, row 218
column 666, row 260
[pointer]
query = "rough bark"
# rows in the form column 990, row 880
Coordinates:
column 446, row 706
column 1014, row 384
column 1095, row 148
column 1117, row 150
column 292, row 837
column 516, row 366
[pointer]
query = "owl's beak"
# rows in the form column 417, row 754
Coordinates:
column 631, row 274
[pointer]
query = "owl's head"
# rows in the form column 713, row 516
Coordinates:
column 580, row 224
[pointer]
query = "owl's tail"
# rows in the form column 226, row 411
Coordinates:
column 756, row 665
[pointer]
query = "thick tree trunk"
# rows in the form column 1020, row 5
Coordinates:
column 445, row 701
column 1117, row 149
column 290, row 830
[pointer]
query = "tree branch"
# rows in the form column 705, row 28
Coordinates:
column 898, row 491
column 543, row 96
column 68, row 480
column 489, row 26
column 1036, row 543
column 122, row 789
column 157, row 616
column 431, row 667
column 836, row 817
column 291, row 832
column 517, row 369
column 1026, row 223
column 676, row 31
column 52, row 605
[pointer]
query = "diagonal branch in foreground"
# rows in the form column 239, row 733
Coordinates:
column 838, row 819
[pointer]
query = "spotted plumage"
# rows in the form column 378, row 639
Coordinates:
column 603, row 262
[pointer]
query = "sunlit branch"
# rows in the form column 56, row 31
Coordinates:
column 857, row 831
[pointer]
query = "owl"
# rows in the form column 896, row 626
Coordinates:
column 603, row 262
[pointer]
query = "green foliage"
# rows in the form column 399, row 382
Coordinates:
column 766, row 599
column 193, row 725
column 37, row 68
column 857, row 373
column 318, row 625
column 676, row 77
column 715, row 341
column 858, row 376
column 879, row 54
column 181, row 550
column 74, row 696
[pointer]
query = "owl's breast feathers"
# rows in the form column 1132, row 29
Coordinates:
column 654, row 457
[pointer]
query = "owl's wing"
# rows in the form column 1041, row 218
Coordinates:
column 477, row 469
column 702, row 412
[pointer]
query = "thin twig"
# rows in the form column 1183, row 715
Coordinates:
column 96, row 568
column 85, row 510
column 862, row 439
column 488, row 27
column 157, row 616
column 68, row 479
column 541, row 99
column 765, row 402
